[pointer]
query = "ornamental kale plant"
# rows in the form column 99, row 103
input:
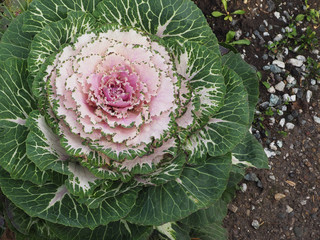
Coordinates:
column 121, row 120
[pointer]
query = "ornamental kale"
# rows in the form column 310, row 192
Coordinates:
column 121, row 120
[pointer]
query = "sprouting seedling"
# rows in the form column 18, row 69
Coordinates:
column 227, row 14
column 230, row 39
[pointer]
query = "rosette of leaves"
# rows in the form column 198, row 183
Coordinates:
column 121, row 120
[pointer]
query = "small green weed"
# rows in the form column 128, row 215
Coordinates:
column 227, row 14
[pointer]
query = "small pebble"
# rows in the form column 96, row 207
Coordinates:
column 271, row 89
column 289, row 209
column 279, row 143
column 284, row 108
column 293, row 98
column 298, row 231
column 277, row 14
column 303, row 202
column 232, row 208
column 301, row 58
column 316, row 119
column 295, row 62
column 279, row 196
column 278, row 38
column 282, row 122
column 275, row 69
column 273, row 146
column 255, row 224
column 280, row 86
column 308, row 96
column 265, row 56
column 290, row 126
column 274, row 100
column 272, row 177
column 266, row 34
column 269, row 153
column 244, row 187
column 290, row 79
column 313, row 82
column 286, row 97
column 279, row 63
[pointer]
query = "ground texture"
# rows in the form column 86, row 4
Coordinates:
column 283, row 202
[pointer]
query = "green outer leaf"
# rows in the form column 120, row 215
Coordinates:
column 249, row 77
column 42, row 12
column 178, row 20
column 120, row 230
column 15, row 42
column 26, row 226
column 15, row 105
column 53, row 203
column 215, row 213
column 198, row 187
column 213, row 231
column 226, row 128
column 54, row 35
column 174, row 231
column 16, row 101
column 13, row 157
column 250, row 153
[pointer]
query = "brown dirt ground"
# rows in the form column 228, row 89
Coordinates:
column 298, row 163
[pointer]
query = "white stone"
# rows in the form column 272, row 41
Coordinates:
column 284, row 108
column 278, row 38
column 280, row 64
column 273, row 146
column 279, row 143
column 313, row 82
column 290, row 79
column 286, row 97
column 280, row 112
column 244, row 187
column 266, row 34
column 269, row 153
column 293, row 98
column 289, row 209
column 308, row 96
column 301, row 58
column 277, row 14
column 316, row 119
column 280, row 86
column 295, row 62
column 271, row 89
column 290, row 126
column 303, row 202
column 282, row 122
column 272, row 120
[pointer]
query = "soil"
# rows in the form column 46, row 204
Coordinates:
column 294, row 171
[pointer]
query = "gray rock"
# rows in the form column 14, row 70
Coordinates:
column 274, row 100
column 298, row 231
column 280, row 86
column 313, row 82
column 266, row 67
column 262, row 28
column 255, row 224
column 251, row 177
column 271, row 5
column 265, row 56
column 275, row 69
column 264, row 105
column 238, row 34
column 278, row 77
column 273, row 146
column 299, row 93
column 244, row 187
column 286, row 97
column 295, row 62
